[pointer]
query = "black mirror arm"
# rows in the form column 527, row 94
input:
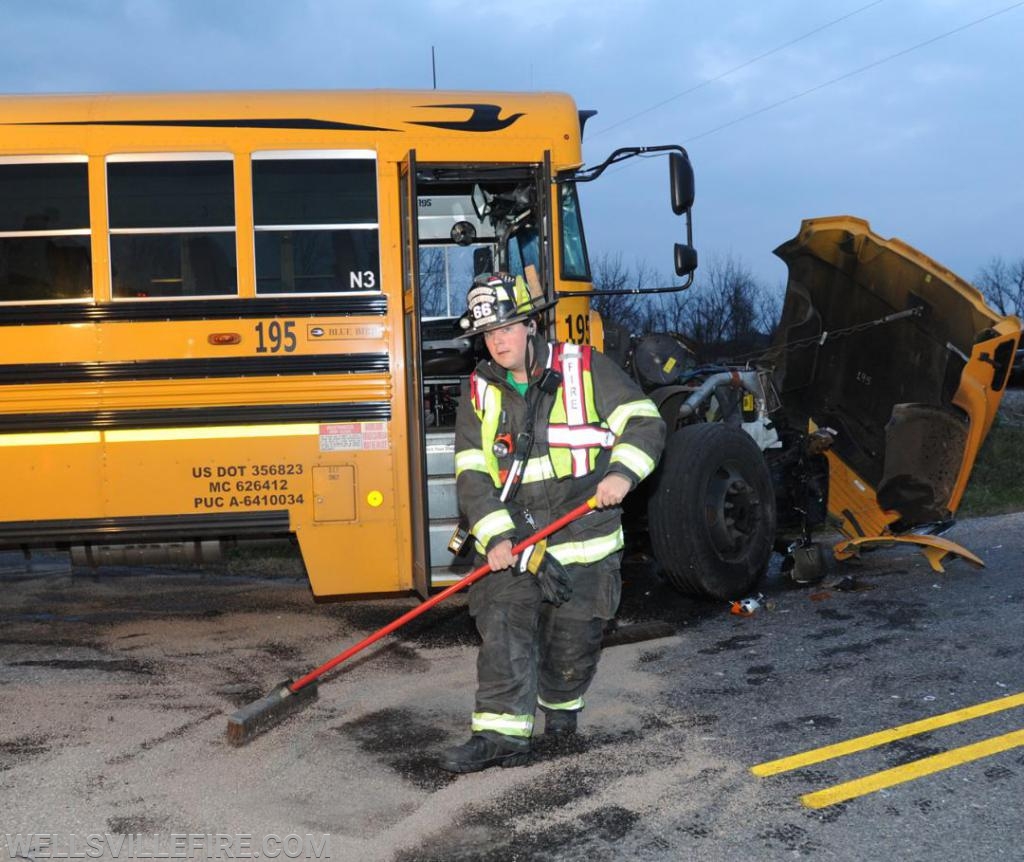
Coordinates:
column 627, row 291
column 586, row 175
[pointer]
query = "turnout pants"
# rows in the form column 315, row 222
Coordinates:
column 534, row 652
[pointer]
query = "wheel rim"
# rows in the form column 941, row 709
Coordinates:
column 731, row 509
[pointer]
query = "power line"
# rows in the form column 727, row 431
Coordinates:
column 743, row 65
column 858, row 71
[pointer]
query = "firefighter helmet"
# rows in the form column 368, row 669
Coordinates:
column 497, row 299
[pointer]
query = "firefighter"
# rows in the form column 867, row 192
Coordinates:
column 541, row 427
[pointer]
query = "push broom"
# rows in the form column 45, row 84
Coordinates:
column 286, row 698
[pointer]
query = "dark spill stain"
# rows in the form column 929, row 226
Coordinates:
column 997, row 773
column 591, row 836
column 699, row 692
column 649, row 597
column 107, row 665
column 790, row 836
column 805, row 777
column 133, row 824
column 696, row 721
column 681, row 705
column 904, row 751
column 730, row 644
column 833, row 632
column 550, row 747
column 421, row 770
column 22, row 748
column 382, row 731
column 654, row 845
column 832, row 813
column 695, row 830
column 240, row 695
column 861, row 648
column 435, row 629
column 901, row 616
column 181, row 730
column 653, row 722
column 402, row 658
column 833, row 614
column 282, row 651
column 387, row 733
column 651, row 656
column 553, row 790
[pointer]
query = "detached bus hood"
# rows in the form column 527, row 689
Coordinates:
column 903, row 358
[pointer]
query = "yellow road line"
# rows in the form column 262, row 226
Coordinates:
column 861, row 743
column 910, row 771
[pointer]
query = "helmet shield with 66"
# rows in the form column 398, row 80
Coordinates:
column 497, row 299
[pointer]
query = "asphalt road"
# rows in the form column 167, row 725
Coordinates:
column 115, row 687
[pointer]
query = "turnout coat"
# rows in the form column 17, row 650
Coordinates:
column 596, row 421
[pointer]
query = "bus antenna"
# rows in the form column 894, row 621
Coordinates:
column 433, row 66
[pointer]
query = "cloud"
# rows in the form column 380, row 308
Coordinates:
column 943, row 117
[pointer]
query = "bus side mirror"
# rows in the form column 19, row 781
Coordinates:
column 681, row 180
column 686, row 259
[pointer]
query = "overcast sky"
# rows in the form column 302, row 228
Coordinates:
column 928, row 146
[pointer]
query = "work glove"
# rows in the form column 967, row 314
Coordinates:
column 552, row 578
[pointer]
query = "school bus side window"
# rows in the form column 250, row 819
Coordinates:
column 316, row 221
column 172, row 226
column 45, row 250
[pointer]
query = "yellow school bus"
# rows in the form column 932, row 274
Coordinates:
column 226, row 316
column 233, row 316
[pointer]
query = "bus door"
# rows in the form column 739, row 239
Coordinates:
column 413, row 377
column 458, row 220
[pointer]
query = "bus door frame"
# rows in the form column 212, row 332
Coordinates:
column 412, row 331
column 412, row 345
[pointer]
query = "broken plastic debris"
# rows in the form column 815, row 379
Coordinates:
column 745, row 607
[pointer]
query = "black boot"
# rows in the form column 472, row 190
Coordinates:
column 484, row 750
column 560, row 722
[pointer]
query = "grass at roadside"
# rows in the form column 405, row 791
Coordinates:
column 997, row 483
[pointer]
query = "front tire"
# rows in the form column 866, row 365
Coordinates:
column 712, row 512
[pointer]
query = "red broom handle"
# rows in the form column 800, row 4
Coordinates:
column 475, row 575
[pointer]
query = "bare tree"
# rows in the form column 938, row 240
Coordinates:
column 1002, row 284
column 631, row 311
column 726, row 312
column 769, row 309
column 433, row 288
